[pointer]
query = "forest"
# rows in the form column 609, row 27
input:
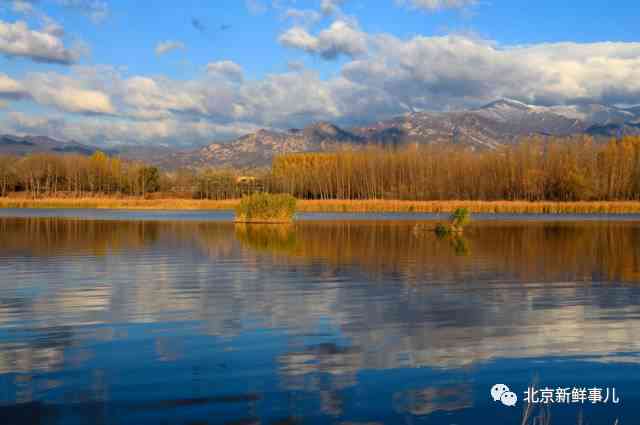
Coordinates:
column 536, row 169
column 576, row 169
column 73, row 175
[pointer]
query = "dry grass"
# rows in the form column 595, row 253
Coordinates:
column 368, row 206
column 119, row 203
column 508, row 207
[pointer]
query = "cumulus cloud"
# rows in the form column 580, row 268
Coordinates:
column 67, row 94
column 299, row 38
column 341, row 38
column 168, row 46
column 226, row 69
column 122, row 131
column 10, row 88
column 28, row 8
column 439, row 72
column 433, row 5
column 330, row 7
column 154, row 97
column 18, row 40
column 393, row 76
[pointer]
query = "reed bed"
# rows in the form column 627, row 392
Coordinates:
column 352, row 206
column 487, row 207
column 119, row 203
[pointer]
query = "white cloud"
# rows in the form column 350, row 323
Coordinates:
column 67, row 94
column 433, row 5
column 299, row 38
column 168, row 46
column 330, row 7
column 387, row 76
column 226, row 69
column 49, row 25
column 23, row 7
column 16, row 39
column 160, row 96
column 341, row 38
column 438, row 72
column 122, row 131
column 291, row 99
column 295, row 65
column 10, row 88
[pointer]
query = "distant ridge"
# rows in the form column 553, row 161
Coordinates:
column 498, row 123
column 21, row 145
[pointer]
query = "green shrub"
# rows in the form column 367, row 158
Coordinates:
column 457, row 222
column 266, row 208
column 459, row 219
column 442, row 230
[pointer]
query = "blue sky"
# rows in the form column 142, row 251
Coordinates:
column 192, row 72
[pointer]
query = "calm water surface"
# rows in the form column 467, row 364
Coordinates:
column 186, row 318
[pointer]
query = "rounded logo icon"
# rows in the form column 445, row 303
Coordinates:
column 509, row 399
column 497, row 391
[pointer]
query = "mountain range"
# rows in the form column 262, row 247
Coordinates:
column 22, row 145
column 498, row 123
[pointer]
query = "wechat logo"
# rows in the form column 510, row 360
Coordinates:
column 501, row 393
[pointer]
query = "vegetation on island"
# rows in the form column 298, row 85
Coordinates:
column 460, row 218
column 266, row 208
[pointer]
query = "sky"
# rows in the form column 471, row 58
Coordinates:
column 188, row 73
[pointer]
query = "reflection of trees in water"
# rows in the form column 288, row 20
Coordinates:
column 215, row 273
column 458, row 243
column 58, row 236
column 533, row 251
column 270, row 238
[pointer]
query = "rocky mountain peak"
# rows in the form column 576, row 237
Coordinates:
column 508, row 104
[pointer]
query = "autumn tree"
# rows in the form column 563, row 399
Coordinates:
column 8, row 178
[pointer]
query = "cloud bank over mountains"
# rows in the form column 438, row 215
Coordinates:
column 379, row 75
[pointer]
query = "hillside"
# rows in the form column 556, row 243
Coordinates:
column 16, row 145
column 498, row 123
column 257, row 149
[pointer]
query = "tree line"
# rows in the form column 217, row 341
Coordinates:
column 537, row 169
column 574, row 169
column 52, row 174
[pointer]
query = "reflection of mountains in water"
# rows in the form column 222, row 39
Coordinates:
column 401, row 301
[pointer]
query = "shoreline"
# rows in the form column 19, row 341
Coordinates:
column 329, row 206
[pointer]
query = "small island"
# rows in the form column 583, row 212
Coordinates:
column 266, row 208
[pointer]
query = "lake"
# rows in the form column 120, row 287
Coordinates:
column 121, row 317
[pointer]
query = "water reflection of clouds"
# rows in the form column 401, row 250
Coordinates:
column 428, row 400
column 400, row 301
